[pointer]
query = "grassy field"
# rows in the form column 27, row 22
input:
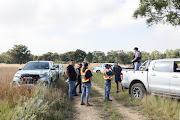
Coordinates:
column 156, row 107
column 40, row 103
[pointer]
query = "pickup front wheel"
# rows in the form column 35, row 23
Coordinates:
column 138, row 91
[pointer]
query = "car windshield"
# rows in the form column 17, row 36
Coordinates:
column 57, row 66
column 36, row 65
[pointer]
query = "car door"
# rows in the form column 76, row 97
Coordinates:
column 159, row 77
column 175, row 78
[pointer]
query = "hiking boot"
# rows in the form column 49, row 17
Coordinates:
column 82, row 103
column 88, row 104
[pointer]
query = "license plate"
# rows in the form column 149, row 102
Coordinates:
column 29, row 85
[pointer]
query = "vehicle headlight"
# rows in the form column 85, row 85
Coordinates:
column 17, row 76
column 43, row 75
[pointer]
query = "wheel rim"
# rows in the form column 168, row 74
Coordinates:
column 137, row 92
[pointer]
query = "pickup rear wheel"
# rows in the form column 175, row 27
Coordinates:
column 138, row 90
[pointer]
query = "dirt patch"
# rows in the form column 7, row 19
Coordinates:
column 127, row 113
column 83, row 112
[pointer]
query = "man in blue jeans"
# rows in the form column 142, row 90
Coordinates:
column 72, row 76
column 107, row 75
column 137, row 58
column 86, row 77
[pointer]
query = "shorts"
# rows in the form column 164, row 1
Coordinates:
column 117, row 79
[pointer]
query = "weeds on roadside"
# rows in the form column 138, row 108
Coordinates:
column 155, row 106
column 42, row 103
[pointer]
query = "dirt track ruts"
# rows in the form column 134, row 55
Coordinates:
column 92, row 113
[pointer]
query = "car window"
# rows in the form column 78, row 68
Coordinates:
column 36, row 65
column 161, row 66
column 176, row 66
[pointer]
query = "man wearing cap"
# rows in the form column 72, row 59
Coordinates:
column 137, row 59
column 107, row 75
column 79, row 83
column 117, row 71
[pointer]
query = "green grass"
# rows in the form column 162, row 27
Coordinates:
column 155, row 107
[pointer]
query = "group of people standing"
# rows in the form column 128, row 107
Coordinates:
column 83, row 76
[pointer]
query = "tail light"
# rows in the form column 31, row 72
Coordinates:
column 121, row 76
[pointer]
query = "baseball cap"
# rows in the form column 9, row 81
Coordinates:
column 85, row 64
column 80, row 64
column 115, row 62
column 106, row 65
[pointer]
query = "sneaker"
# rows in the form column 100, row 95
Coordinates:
column 80, row 92
column 108, row 100
column 76, row 95
column 82, row 103
column 117, row 91
column 88, row 104
column 71, row 99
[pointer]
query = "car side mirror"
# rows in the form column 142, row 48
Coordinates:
column 53, row 68
column 20, row 68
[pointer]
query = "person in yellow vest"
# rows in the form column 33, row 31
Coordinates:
column 86, row 77
column 108, row 76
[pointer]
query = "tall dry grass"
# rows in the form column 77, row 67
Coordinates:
column 47, row 103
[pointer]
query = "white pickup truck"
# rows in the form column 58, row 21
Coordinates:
column 34, row 72
column 101, row 67
column 155, row 76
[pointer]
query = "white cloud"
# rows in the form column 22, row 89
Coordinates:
column 122, row 16
column 41, row 23
column 171, row 32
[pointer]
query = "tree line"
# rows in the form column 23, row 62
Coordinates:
column 20, row 54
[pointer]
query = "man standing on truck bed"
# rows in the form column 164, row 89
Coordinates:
column 137, row 59
column 107, row 75
column 117, row 71
column 71, row 74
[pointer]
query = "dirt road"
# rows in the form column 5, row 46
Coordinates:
column 95, row 111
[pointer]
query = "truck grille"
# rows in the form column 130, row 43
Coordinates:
column 29, row 79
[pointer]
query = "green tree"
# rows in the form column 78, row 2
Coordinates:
column 47, row 56
column 55, row 57
column 78, row 55
column 99, row 57
column 173, row 53
column 156, row 11
column 66, row 56
column 157, row 55
column 89, row 57
column 19, row 54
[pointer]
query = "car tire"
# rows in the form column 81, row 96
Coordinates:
column 98, row 71
column 138, row 91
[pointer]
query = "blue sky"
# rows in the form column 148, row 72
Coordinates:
column 66, row 25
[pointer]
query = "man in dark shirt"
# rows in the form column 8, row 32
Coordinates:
column 78, row 71
column 117, row 71
column 72, row 76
